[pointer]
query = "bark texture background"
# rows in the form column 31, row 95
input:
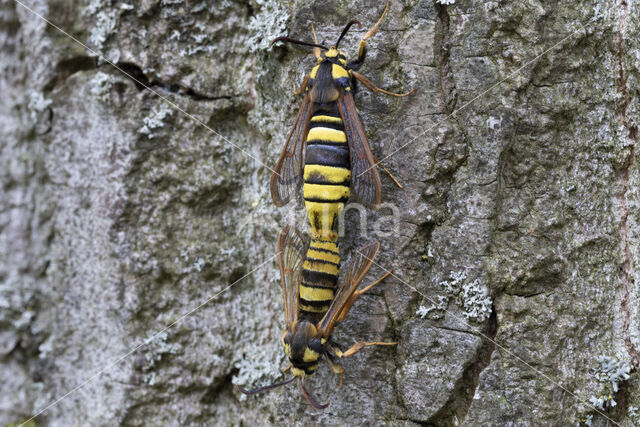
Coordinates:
column 518, row 232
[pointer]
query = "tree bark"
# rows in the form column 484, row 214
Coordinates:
column 138, row 282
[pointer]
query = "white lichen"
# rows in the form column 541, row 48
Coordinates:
column 157, row 347
column 471, row 297
column 46, row 347
column 199, row 264
column 101, row 84
column 225, row 4
column 92, row 7
column 192, row 50
column 613, row 370
column 229, row 252
column 37, row 104
column 154, row 121
column 494, row 123
column 475, row 302
column 453, row 285
column 603, row 401
column 260, row 369
column 269, row 23
column 216, row 360
column 25, row 319
column 104, row 21
column 175, row 35
column 104, row 24
column 600, row 13
column 445, row 2
column 436, row 310
column 202, row 42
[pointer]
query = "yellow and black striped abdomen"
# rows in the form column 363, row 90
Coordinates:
column 327, row 172
column 319, row 278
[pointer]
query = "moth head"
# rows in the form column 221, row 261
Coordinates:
column 334, row 54
column 303, row 347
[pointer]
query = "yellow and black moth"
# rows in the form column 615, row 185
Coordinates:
column 338, row 161
column 307, row 336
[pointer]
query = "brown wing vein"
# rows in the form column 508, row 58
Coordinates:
column 292, row 248
column 358, row 268
column 365, row 180
column 287, row 175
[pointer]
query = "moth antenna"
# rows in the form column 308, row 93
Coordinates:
column 294, row 41
column 311, row 399
column 265, row 388
column 346, row 29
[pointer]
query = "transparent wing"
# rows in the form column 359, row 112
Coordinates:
column 358, row 268
column 292, row 248
column 287, row 176
column 365, row 180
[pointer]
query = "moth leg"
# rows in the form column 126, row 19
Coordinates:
column 359, row 346
column 359, row 292
column 362, row 48
column 303, row 86
column 316, row 50
column 286, row 369
column 354, row 297
column 377, row 162
column 373, row 88
column 336, row 368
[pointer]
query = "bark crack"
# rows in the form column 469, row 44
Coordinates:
column 627, row 280
column 68, row 67
column 142, row 81
column 457, row 407
column 446, row 87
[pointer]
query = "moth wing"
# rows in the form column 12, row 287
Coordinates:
column 292, row 248
column 365, row 180
column 288, row 173
column 358, row 268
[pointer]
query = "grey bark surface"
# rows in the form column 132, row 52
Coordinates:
column 131, row 200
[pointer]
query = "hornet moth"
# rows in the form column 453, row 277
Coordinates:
column 338, row 160
column 328, row 150
column 307, row 336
